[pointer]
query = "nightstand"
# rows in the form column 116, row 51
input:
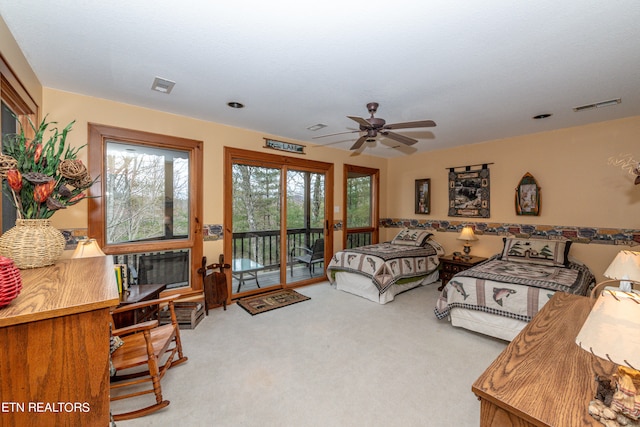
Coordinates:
column 450, row 266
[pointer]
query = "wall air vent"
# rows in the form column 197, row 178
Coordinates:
column 162, row 85
column 598, row 105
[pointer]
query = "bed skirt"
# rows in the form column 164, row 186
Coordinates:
column 362, row 286
column 493, row 325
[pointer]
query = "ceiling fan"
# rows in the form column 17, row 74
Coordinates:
column 374, row 126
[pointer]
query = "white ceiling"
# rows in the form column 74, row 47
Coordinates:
column 480, row 70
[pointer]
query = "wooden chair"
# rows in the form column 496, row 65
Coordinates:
column 310, row 256
column 150, row 345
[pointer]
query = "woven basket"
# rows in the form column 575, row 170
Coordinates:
column 10, row 281
column 32, row 243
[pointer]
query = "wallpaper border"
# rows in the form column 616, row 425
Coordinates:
column 577, row 234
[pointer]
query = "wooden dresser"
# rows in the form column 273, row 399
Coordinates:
column 543, row 378
column 54, row 356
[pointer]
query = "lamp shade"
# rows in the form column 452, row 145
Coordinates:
column 625, row 266
column 87, row 248
column 467, row 234
column 611, row 329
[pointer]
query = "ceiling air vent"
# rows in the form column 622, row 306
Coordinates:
column 162, row 85
column 598, row 105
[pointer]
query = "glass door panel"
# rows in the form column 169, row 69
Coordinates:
column 305, row 225
column 255, row 262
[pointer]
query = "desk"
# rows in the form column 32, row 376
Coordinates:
column 55, row 350
column 543, row 378
column 242, row 266
column 138, row 293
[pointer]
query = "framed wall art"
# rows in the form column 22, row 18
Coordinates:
column 528, row 196
column 423, row 196
column 469, row 193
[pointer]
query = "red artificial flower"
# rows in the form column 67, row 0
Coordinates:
column 75, row 199
column 37, row 153
column 43, row 191
column 14, row 179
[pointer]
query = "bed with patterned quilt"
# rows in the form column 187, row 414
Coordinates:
column 381, row 271
column 501, row 295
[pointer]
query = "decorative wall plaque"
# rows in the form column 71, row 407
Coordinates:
column 284, row 146
column 528, row 196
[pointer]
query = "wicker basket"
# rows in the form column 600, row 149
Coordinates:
column 10, row 281
column 32, row 243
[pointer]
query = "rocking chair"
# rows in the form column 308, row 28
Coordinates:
column 157, row 347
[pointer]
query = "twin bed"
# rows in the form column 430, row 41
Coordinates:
column 501, row 295
column 497, row 297
column 380, row 272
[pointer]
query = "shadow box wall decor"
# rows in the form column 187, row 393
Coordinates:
column 528, row 196
column 469, row 192
column 423, row 196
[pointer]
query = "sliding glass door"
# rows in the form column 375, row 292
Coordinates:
column 256, row 227
column 276, row 220
column 305, row 225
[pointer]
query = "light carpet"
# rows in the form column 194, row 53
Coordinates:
column 337, row 360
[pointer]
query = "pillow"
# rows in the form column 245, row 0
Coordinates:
column 409, row 237
column 536, row 251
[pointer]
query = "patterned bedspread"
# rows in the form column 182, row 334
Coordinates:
column 386, row 263
column 511, row 289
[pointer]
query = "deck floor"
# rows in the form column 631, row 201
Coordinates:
column 267, row 278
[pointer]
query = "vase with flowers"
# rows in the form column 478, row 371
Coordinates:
column 40, row 175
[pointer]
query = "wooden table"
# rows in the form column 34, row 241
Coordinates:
column 54, row 357
column 543, row 378
column 138, row 293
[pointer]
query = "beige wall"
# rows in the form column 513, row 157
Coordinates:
column 64, row 107
column 578, row 186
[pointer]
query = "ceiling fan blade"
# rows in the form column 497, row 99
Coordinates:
column 359, row 142
column 360, row 121
column 417, row 124
column 400, row 138
column 334, row 134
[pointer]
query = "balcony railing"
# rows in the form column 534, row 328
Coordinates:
column 263, row 247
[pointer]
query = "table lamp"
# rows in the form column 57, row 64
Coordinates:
column 87, row 248
column 625, row 267
column 467, row 236
column 611, row 332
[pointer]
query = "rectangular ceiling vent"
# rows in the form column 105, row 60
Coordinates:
column 598, row 105
column 317, row 127
column 162, row 85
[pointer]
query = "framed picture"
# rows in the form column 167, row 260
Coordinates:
column 469, row 193
column 423, row 196
column 528, row 196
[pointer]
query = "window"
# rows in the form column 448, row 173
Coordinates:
column 17, row 108
column 149, row 202
column 360, row 206
column 147, row 193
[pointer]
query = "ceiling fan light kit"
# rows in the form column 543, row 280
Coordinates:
column 373, row 126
